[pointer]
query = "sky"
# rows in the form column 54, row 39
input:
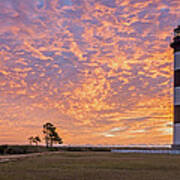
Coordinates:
column 100, row 70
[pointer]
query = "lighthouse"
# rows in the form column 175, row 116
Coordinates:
column 176, row 46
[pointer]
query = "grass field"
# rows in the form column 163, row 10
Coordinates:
column 93, row 166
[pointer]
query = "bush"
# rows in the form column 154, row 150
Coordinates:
column 76, row 148
column 18, row 149
column 15, row 150
column 3, row 149
column 53, row 149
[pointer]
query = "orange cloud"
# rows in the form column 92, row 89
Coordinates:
column 101, row 71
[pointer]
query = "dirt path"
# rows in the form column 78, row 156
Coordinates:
column 6, row 158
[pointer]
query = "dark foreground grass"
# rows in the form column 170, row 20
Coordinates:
column 93, row 166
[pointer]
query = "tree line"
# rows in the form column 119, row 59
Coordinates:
column 50, row 136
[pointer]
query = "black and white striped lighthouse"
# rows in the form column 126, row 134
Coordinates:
column 176, row 46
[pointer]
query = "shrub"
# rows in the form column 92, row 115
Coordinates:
column 3, row 149
column 15, row 150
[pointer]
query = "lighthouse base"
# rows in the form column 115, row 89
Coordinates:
column 175, row 146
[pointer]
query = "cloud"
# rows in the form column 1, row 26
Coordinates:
column 88, row 66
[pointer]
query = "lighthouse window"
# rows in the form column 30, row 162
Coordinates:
column 177, row 34
column 177, row 114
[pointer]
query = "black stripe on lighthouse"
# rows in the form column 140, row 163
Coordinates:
column 177, row 78
column 177, row 114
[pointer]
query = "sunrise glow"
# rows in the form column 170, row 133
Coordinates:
column 100, row 70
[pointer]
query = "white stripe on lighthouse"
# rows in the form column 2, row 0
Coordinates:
column 176, row 60
column 177, row 96
column 177, row 133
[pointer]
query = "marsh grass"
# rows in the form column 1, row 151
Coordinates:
column 93, row 166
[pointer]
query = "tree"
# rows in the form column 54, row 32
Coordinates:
column 31, row 140
column 51, row 136
column 34, row 140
